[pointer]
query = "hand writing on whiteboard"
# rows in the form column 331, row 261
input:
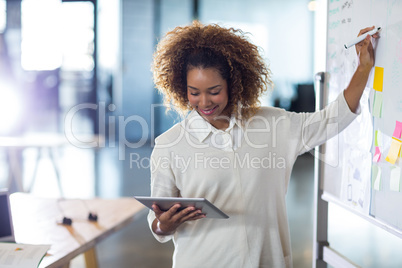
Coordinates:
column 365, row 49
column 357, row 84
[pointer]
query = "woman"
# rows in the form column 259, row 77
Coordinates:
column 230, row 150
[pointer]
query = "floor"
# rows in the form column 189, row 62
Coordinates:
column 109, row 173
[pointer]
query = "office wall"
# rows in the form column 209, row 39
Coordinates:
column 284, row 29
column 172, row 13
column 137, row 48
column 143, row 22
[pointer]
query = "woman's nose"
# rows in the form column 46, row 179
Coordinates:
column 204, row 101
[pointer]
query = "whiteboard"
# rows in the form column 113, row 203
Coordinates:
column 349, row 170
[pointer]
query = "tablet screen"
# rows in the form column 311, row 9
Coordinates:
column 165, row 203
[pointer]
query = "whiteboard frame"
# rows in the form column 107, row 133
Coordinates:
column 333, row 200
column 323, row 254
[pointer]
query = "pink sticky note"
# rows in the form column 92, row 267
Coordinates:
column 377, row 154
column 398, row 130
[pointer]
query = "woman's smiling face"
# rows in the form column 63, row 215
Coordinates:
column 207, row 93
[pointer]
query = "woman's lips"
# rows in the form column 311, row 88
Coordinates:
column 208, row 112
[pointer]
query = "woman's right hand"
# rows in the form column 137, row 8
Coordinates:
column 365, row 50
column 167, row 222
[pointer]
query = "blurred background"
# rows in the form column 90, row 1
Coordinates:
column 79, row 105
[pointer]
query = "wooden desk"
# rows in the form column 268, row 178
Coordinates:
column 35, row 222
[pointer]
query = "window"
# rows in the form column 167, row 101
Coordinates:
column 41, row 35
column 2, row 15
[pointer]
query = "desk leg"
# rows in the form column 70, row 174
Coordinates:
column 15, row 168
column 90, row 258
column 66, row 265
column 56, row 169
column 38, row 158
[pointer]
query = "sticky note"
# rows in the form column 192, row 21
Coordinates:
column 377, row 154
column 397, row 130
column 378, row 138
column 376, row 177
column 377, row 107
column 393, row 151
column 378, row 78
column 394, row 182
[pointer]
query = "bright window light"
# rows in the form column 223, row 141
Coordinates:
column 2, row 15
column 312, row 5
column 320, row 36
column 78, row 36
column 41, row 35
column 11, row 108
column 56, row 34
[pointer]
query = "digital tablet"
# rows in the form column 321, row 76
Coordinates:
column 165, row 203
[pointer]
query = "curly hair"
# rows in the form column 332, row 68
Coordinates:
column 211, row 46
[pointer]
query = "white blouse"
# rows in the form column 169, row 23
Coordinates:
column 227, row 140
column 245, row 172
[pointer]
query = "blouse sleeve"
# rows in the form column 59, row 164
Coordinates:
column 316, row 128
column 162, row 183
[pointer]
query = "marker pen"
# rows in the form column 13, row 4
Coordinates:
column 361, row 37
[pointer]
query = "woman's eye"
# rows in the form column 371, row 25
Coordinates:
column 214, row 93
column 194, row 94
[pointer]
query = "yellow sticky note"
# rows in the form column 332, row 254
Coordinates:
column 395, row 180
column 393, row 151
column 376, row 177
column 378, row 78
